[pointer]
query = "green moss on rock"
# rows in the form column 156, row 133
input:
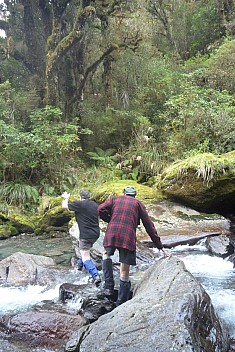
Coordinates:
column 202, row 181
column 115, row 188
column 56, row 217
column 7, row 231
column 23, row 223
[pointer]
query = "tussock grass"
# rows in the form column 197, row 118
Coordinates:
column 206, row 166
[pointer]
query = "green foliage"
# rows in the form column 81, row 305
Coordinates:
column 48, row 147
column 14, row 71
column 206, row 166
column 219, row 68
column 144, row 157
column 124, row 88
column 103, row 157
column 206, row 27
column 158, row 81
column 19, row 193
column 186, row 27
column 199, row 120
column 111, row 128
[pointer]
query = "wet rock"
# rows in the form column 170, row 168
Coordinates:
column 42, row 328
column 97, row 305
column 92, row 304
column 178, row 224
column 169, row 311
column 218, row 245
column 25, row 269
column 68, row 291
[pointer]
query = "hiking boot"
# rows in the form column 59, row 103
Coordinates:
column 79, row 264
column 96, row 280
column 79, row 267
column 123, row 292
column 108, row 292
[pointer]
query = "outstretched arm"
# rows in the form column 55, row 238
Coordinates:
column 65, row 201
column 151, row 229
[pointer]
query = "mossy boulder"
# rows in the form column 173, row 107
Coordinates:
column 16, row 223
column 47, row 203
column 7, row 230
column 205, row 182
column 55, row 219
column 115, row 188
column 23, row 222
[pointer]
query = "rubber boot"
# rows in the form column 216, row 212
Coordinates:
column 107, row 267
column 80, row 264
column 123, row 292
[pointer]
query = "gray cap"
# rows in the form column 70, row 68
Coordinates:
column 130, row 191
column 84, row 194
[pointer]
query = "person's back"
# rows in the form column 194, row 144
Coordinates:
column 121, row 230
column 86, row 214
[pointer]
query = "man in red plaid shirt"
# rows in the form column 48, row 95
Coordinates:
column 123, row 214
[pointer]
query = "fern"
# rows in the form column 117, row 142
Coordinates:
column 18, row 193
column 103, row 157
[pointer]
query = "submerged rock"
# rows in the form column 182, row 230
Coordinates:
column 42, row 328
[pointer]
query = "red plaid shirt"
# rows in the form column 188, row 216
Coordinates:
column 123, row 213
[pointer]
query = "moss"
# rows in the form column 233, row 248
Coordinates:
column 55, row 217
column 198, row 217
column 23, row 222
column 201, row 181
column 7, row 230
column 206, row 167
column 115, row 188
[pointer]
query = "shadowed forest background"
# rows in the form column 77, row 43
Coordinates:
column 91, row 90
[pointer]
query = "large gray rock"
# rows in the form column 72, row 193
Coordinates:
column 25, row 269
column 170, row 311
column 218, row 245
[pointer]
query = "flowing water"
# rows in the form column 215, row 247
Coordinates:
column 215, row 274
column 217, row 277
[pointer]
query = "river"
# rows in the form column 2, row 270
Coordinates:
column 215, row 274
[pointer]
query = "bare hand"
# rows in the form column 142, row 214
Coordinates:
column 65, row 195
column 166, row 254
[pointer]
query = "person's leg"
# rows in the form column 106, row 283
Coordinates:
column 126, row 258
column 88, row 263
column 125, row 284
column 85, row 254
column 124, row 271
column 107, row 267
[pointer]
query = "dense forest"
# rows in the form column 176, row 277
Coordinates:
column 91, row 90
